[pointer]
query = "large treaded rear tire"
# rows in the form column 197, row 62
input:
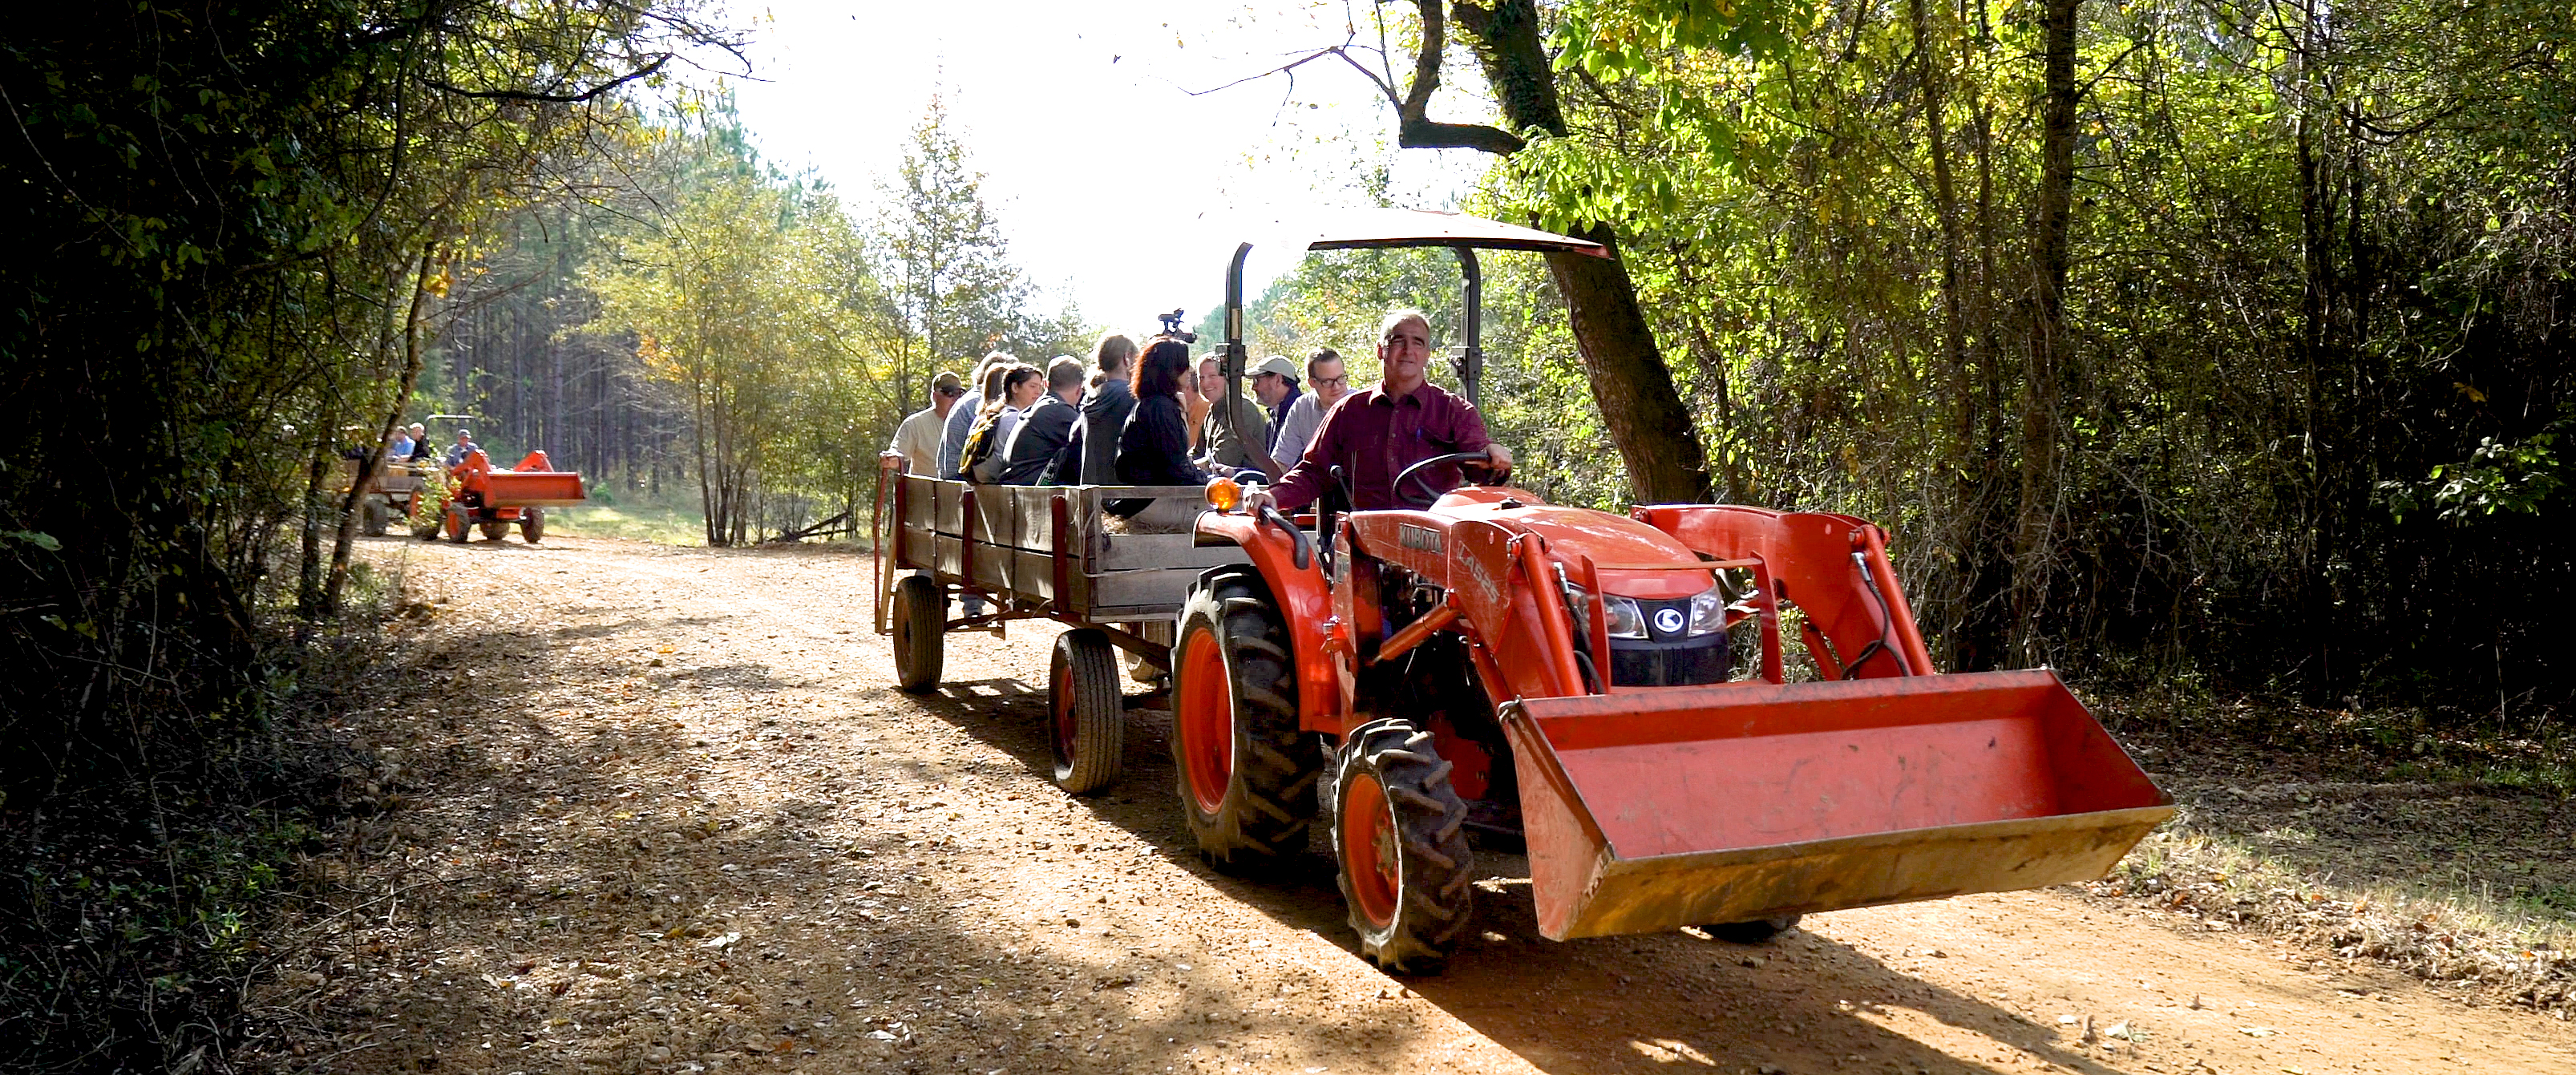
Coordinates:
column 920, row 619
column 1086, row 718
column 1400, row 843
column 1246, row 773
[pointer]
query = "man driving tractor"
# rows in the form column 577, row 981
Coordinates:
column 1381, row 430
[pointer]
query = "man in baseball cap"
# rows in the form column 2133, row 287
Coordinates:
column 1274, row 383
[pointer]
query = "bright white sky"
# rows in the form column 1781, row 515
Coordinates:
column 1111, row 181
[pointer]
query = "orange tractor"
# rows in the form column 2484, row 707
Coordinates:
column 1490, row 662
column 480, row 495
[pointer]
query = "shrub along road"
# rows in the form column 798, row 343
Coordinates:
column 639, row 808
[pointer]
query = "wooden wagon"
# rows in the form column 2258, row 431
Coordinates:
column 1036, row 553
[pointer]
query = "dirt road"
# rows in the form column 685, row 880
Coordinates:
column 655, row 809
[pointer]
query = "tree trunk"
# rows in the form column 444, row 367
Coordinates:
column 1657, row 436
column 2043, row 380
column 375, row 460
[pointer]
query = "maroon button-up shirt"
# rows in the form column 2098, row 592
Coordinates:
column 1373, row 436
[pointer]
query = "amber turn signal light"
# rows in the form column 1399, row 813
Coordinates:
column 1223, row 494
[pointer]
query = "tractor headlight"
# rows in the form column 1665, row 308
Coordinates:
column 1708, row 611
column 1625, row 620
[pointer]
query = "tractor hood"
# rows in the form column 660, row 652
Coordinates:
column 1632, row 558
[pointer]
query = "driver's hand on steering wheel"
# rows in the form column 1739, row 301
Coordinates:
column 1254, row 500
column 1498, row 460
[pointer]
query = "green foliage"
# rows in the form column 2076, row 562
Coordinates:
column 2318, row 266
column 240, row 223
column 2512, row 478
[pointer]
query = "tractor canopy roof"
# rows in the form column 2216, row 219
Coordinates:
column 1357, row 229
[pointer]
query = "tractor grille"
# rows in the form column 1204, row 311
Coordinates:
column 1685, row 663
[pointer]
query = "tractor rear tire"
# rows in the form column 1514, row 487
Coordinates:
column 1753, row 932
column 493, row 531
column 1400, row 847
column 457, row 528
column 1085, row 714
column 1246, row 772
column 920, row 620
column 374, row 516
column 532, row 526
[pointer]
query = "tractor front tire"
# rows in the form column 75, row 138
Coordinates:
column 920, row 619
column 1085, row 715
column 1246, row 771
column 493, row 531
column 532, row 526
column 1753, row 932
column 1400, row 844
column 457, row 528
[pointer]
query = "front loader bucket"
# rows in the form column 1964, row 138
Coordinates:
column 546, row 489
column 1651, row 810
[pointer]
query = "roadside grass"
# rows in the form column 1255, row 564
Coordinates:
column 660, row 522
column 2432, row 843
column 636, row 520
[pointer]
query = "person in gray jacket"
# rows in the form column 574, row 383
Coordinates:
column 961, row 418
column 1090, row 455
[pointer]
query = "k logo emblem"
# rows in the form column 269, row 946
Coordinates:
column 1668, row 621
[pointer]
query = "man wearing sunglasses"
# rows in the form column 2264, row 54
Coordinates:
column 918, row 437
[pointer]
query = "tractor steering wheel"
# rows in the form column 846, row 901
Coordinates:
column 1415, row 472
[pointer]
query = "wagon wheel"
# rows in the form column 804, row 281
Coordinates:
column 1084, row 711
column 374, row 516
column 1400, row 848
column 1246, row 772
column 920, row 615
column 532, row 525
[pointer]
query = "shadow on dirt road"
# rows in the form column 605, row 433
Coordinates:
column 1801, row 1002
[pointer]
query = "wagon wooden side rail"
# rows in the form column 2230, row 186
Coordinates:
column 1032, row 553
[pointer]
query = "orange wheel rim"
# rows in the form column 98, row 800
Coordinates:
column 1064, row 715
column 1203, row 717
column 1369, row 855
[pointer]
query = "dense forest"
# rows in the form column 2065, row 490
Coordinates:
column 2215, row 347
column 2181, row 342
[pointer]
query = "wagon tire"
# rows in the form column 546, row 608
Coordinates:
column 1246, row 773
column 374, row 517
column 1400, row 848
column 1086, row 718
column 920, row 618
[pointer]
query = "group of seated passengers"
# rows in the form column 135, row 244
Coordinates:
column 1036, row 427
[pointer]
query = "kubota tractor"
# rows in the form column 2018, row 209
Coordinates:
column 1490, row 662
column 480, row 495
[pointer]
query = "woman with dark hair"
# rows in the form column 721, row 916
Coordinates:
column 1154, row 447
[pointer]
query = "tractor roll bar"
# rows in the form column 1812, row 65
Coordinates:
column 1382, row 229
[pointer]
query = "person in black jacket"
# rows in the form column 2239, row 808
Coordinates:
column 1089, row 457
column 1040, row 435
column 1154, row 446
